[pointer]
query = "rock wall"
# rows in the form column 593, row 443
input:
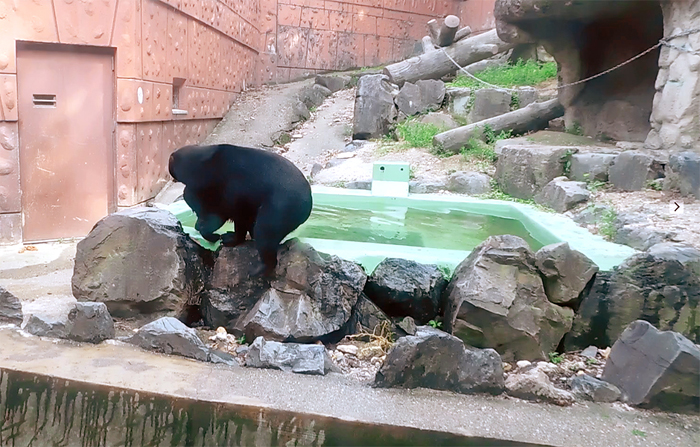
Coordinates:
column 675, row 121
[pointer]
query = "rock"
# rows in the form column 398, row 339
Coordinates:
column 333, row 83
column 565, row 272
column 591, row 166
column 311, row 296
column 139, row 261
column 590, row 388
column 496, row 299
column 216, row 356
column 407, row 325
column 231, row 292
column 489, row 102
column 660, row 285
column 441, row 120
column 406, row 288
column 634, row 230
column 375, row 111
column 683, row 173
column 314, row 96
column 561, row 194
column 169, row 335
column 632, row 169
column 437, row 360
column 47, row 317
column 652, row 366
column 526, row 96
column 590, row 352
column 10, row 308
column 421, row 97
column 592, row 214
column 90, row 322
column 348, row 349
column 301, row 112
column 534, row 384
column 359, row 184
column 523, row 170
column 294, row 357
column 523, row 363
column 426, row 186
column 459, row 100
column 470, row 183
column 366, row 316
column 315, row 169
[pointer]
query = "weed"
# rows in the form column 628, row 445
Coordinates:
column 498, row 194
column 591, row 361
column 575, row 129
column 241, row 341
column 411, row 173
column 436, row 324
column 514, row 101
column 654, row 184
column 566, row 159
column 511, row 75
column 445, row 271
column 555, row 358
column 340, row 184
column 593, row 185
column 312, row 109
column 636, row 432
column 607, row 226
column 476, row 149
column 416, row 134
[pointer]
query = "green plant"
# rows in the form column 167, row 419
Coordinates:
column 575, row 129
column 436, row 324
column 654, row 184
column 241, row 341
column 514, row 101
column 340, row 184
column 591, row 361
column 636, row 432
column 555, row 358
column 416, row 134
column 476, row 149
column 566, row 159
column 411, row 173
column 445, row 271
column 498, row 194
column 608, row 224
column 510, row 75
column 312, row 109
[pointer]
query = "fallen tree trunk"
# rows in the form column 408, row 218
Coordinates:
column 435, row 64
column 535, row 116
column 462, row 33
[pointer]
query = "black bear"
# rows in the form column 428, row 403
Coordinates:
column 263, row 193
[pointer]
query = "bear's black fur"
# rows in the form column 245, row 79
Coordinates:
column 263, row 193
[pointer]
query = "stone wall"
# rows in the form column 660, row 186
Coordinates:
column 675, row 120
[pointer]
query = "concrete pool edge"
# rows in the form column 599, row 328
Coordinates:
column 544, row 226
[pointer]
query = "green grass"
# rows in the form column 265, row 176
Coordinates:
column 415, row 134
column 555, row 357
column 511, row 75
column 477, row 150
column 607, row 226
column 641, row 433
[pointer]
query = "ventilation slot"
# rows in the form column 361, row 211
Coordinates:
column 44, row 100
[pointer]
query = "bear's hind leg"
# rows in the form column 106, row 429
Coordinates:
column 237, row 237
column 269, row 231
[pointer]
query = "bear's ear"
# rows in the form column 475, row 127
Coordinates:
column 192, row 165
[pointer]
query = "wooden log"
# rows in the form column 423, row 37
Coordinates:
column 433, row 30
column 535, row 116
column 428, row 44
column 448, row 30
column 462, row 33
column 435, row 64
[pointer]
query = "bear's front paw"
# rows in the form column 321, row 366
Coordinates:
column 211, row 237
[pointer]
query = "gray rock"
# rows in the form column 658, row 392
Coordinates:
column 651, row 366
column 44, row 325
column 432, row 92
column 312, row 295
column 683, row 173
column 470, row 183
column 590, row 352
column 561, row 194
column 632, row 169
column 533, row 384
column 565, row 272
column 593, row 213
column 169, row 335
column 597, row 390
column 366, row 316
column 496, row 299
column 523, row 170
column 139, row 261
column 375, row 111
column 421, row 97
column 407, row 325
column 301, row 111
column 633, row 229
column 526, row 96
column 426, row 186
column 333, row 83
column 660, row 285
column 294, row 357
column 489, row 102
column 441, row 120
column 314, row 96
column 406, row 288
column 224, row 358
column 437, row 360
column 408, row 100
column 315, row 169
column 90, row 322
column 459, row 100
column 591, row 166
column 10, row 308
column 359, row 184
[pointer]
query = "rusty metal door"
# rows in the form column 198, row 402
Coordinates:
column 66, row 122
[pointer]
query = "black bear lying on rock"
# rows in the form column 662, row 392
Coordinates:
column 263, row 193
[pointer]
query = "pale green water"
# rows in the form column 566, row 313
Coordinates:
column 449, row 229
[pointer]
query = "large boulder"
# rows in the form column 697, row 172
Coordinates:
column 683, row 173
column 565, row 272
column 661, row 286
column 652, row 366
column 169, row 335
column 421, row 97
column 406, row 288
column 533, row 384
column 333, row 82
column 590, row 388
column 366, row 316
column 314, row 95
column 488, row 103
column 632, row 170
column 90, row 322
column 561, row 194
column 294, row 357
column 375, row 111
column 84, row 322
column 523, row 170
column 434, row 359
column 591, row 166
column 470, row 183
column 312, row 295
column 10, row 308
column 496, row 299
column 139, row 261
